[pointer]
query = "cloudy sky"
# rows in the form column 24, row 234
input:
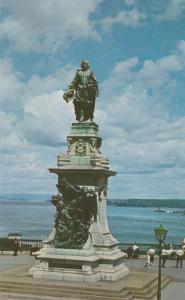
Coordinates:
column 136, row 48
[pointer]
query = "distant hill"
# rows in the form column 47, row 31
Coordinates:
column 170, row 203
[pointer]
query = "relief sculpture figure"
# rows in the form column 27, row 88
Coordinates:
column 75, row 211
column 83, row 90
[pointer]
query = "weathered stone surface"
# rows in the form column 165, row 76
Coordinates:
column 84, row 147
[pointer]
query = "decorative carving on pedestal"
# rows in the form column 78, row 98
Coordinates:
column 83, row 146
column 95, row 145
column 80, row 147
column 71, row 145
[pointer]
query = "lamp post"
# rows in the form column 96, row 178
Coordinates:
column 160, row 233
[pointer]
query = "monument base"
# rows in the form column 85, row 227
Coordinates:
column 79, row 265
column 81, row 217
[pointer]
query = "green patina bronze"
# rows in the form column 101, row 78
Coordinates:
column 83, row 90
column 76, row 209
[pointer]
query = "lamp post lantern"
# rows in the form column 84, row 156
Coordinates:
column 160, row 233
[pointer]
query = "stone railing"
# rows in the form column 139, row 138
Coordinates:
column 26, row 245
column 143, row 247
column 6, row 245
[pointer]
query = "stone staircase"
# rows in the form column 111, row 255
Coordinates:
column 149, row 290
column 30, row 289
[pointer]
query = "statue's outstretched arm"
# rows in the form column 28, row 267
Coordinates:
column 69, row 94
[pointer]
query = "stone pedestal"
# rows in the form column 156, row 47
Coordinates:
column 99, row 257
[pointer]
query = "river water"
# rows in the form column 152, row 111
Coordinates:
column 33, row 217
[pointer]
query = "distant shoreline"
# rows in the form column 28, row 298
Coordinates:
column 165, row 203
column 45, row 199
column 159, row 204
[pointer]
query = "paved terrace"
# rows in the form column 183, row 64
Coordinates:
column 174, row 291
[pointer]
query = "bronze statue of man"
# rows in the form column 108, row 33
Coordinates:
column 83, row 90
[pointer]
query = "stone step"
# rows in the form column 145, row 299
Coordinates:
column 125, row 290
column 150, row 290
column 57, row 291
column 61, row 286
column 12, row 296
column 72, row 293
column 146, row 285
column 27, row 293
column 57, row 288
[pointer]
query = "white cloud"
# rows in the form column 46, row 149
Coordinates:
column 121, row 74
column 174, row 9
column 14, row 92
column 153, row 74
column 34, row 110
column 11, row 87
column 124, row 67
column 143, row 142
column 26, row 168
column 150, row 158
column 46, row 25
column 43, row 85
column 171, row 63
column 45, row 120
column 8, row 136
column 33, row 122
column 131, row 18
column 6, row 122
column 130, row 2
column 23, row 165
column 19, row 161
column 156, row 73
column 181, row 46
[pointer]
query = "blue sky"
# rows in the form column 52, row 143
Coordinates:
column 136, row 49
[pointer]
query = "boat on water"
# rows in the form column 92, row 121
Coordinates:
column 182, row 212
column 160, row 210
